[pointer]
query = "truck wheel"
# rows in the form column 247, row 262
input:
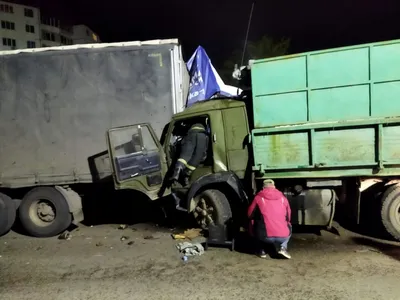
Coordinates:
column 44, row 212
column 7, row 214
column 390, row 211
column 212, row 207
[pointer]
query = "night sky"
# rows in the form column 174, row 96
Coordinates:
column 220, row 25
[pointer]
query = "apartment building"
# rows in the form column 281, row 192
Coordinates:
column 24, row 27
column 20, row 26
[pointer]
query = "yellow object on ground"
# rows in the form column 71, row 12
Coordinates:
column 188, row 234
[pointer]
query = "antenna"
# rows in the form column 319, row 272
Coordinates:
column 247, row 33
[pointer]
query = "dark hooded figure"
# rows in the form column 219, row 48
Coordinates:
column 194, row 148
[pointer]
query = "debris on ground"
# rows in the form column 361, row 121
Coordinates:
column 99, row 244
column 149, row 237
column 131, row 243
column 39, row 248
column 178, row 236
column 188, row 234
column 65, row 236
column 123, row 238
column 122, row 227
column 189, row 249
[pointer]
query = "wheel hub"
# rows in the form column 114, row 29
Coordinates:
column 398, row 213
column 45, row 212
column 204, row 213
column 42, row 212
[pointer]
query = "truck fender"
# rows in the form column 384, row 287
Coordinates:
column 223, row 177
column 74, row 202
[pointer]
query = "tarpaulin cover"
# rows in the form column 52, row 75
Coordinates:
column 56, row 106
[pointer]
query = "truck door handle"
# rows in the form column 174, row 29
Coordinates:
column 134, row 175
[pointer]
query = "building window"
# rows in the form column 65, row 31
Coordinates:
column 8, row 25
column 30, row 28
column 48, row 36
column 65, row 40
column 7, row 8
column 31, row 44
column 9, row 42
column 28, row 12
column 50, row 22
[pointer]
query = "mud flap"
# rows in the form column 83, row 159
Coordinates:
column 74, row 202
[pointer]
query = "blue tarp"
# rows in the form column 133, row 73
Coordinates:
column 205, row 82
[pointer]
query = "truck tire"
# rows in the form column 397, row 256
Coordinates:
column 390, row 211
column 212, row 205
column 7, row 214
column 44, row 212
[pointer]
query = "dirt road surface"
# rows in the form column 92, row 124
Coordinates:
column 96, row 264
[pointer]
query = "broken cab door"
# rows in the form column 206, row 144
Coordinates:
column 138, row 159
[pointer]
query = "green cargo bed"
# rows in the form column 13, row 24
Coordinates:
column 329, row 149
column 328, row 113
column 337, row 84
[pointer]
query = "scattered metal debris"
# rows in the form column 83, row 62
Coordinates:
column 123, row 238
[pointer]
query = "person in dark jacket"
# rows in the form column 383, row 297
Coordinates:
column 194, row 148
column 270, row 219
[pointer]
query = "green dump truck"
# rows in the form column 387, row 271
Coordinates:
column 324, row 125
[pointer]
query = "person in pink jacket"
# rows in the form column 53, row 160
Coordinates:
column 270, row 219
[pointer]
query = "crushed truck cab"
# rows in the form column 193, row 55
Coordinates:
column 141, row 162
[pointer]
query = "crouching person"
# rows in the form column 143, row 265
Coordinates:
column 270, row 218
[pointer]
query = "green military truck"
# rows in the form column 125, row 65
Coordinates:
column 325, row 125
